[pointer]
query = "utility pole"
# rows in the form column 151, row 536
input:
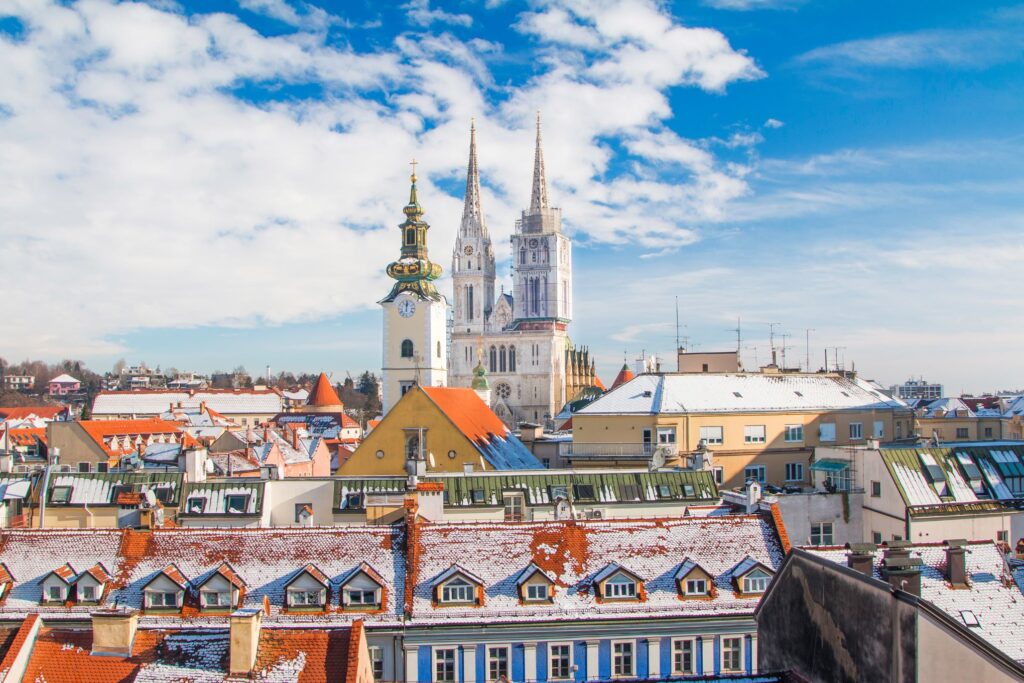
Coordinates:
column 807, row 347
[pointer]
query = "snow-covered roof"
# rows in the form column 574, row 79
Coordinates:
column 997, row 605
column 732, row 392
column 226, row 402
column 945, row 408
column 957, row 479
column 65, row 379
column 215, row 497
column 98, row 488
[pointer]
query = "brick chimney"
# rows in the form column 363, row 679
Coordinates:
column 861, row 557
column 902, row 571
column 113, row 631
column 245, row 640
column 956, row 562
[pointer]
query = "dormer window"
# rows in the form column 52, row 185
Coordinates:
column 620, row 586
column 195, row 505
column 156, row 598
column 87, row 594
column 61, row 495
column 237, row 503
column 298, row 597
column 307, row 589
column 457, row 590
column 756, row 582
column 536, row 593
column 55, row 593
column 215, row 598
column 360, row 597
column 696, row 587
column 166, row 590
column 221, row 590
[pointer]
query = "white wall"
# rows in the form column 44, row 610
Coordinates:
column 800, row 510
column 281, row 496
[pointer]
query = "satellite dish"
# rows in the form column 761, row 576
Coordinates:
column 562, row 508
column 658, row 459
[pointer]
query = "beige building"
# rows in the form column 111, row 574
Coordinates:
column 759, row 426
column 709, row 361
column 951, row 419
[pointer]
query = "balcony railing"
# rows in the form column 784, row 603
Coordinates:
column 571, row 449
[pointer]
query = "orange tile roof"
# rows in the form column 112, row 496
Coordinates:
column 228, row 572
column 26, row 437
column 5, row 574
column 14, row 651
column 98, row 572
column 174, row 574
column 599, row 384
column 66, row 572
column 101, row 430
column 323, row 394
column 625, row 374
column 468, row 412
column 21, row 412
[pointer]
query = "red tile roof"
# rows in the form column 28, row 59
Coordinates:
column 26, row 437
column 228, row 572
column 65, row 572
column 5, row 574
column 625, row 374
column 314, row 572
column 468, row 412
column 98, row 572
column 172, row 572
column 323, row 394
column 14, row 650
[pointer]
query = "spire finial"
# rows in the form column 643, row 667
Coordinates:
column 472, row 212
column 413, row 164
column 539, row 196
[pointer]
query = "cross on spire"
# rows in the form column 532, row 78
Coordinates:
column 413, row 164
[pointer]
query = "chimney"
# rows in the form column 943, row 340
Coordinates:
column 113, row 631
column 753, row 496
column 902, row 571
column 202, row 407
column 295, row 439
column 956, row 562
column 245, row 640
column 861, row 557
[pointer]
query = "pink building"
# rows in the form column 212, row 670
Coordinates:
column 62, row 385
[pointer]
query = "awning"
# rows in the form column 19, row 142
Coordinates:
column 829, row 465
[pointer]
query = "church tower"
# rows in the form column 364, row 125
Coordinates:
column 415, row 343
column 473, row 268
column 542, row 281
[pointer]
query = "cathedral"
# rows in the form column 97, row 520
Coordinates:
column 516, row 345
column 519, row 338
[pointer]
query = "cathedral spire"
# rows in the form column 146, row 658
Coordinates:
column 539, row 197
column 472, row 214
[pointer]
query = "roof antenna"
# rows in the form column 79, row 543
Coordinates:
column 678, row 348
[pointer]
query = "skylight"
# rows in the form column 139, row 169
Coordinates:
column 969, row 618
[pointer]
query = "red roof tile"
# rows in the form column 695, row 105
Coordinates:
column 625, row 374
column 228, row 572
column 21, row 412
column 26, row 437
column 98, row 572
column 468, row 412
column 323, row 394
column 65, row 572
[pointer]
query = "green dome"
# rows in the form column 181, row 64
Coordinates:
column 480, row 378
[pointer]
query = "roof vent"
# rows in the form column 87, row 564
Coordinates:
column 737, row 394
column 647, row 393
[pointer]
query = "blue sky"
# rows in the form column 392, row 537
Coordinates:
column 215, row 183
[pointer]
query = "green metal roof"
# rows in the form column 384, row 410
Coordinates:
column 98, row 486
column 344, row 486
column 218, row 489
column 949, row 485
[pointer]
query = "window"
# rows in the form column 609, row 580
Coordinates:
column 879, row 431
column 161, row 599
column 682, row 657
column 511, row 359
column 83, row 467
column 794, row 471
column 537, row 592
column 237, row 503
column 439, row 349
column 560, row 666
column 755, row 473
column 87, row 593
column 502, row 359
column 410, row 236
column 821, row 533
column 988, row 432
column 513, row 507
column 794, row 433
column 719, row 473
column 732, row 654
column 457, row 590
column 876, row 490
column 961, row 432
column 61, row 495
column 876, row 537
column 753, row 434
column 304, row 598
column 497, row 663
column 101, row 467
column 664, row 491
column 666, row 435
column 377, row 661
column 696, row 587
column 494, row 359
column 711, row 435
column 444, row 665
column 404, row 387
column 629, row 492
column 756, row 582
column 407, row 348
column 216, row 598
column 856, row 430
column 478, row 495
column 620, row 586
column 195, row 505
column 899, row 430
column 301, row 511
column 622, row 659
column 827, row 431
column 583, row 491
column 361, row 597
column 412, row 446
column 54, row 593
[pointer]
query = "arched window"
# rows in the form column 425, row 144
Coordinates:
column 469, row 302
column 494, row 359
column 502, row 358
column 410, row 236
column 470, row 264
column 522, row 255
column 511, row 359
column 438, row 349
column 407, row 348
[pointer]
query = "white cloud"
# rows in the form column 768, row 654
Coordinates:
column 421, row 14
column 748, row 5
column 976, row 48
column 310, row 18
column 145, row 192
column 773, row 123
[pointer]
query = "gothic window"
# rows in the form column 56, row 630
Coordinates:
column 522, row 255
column 547, row 254
column 503, row 358
column 470, row 263
column 535, row 299
column 469, row 302
column 407, row 348
column 511, row 359
column 544, row 288
column 410, row 236
column 503, row 390
column 494, row 359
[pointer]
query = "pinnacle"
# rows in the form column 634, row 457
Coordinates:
column 472, row 213
column 539, row 196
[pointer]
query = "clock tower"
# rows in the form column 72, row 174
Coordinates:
column 415, row 325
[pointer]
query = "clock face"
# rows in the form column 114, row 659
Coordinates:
column 406, row 308
column 468, row 250
column 533, row 243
